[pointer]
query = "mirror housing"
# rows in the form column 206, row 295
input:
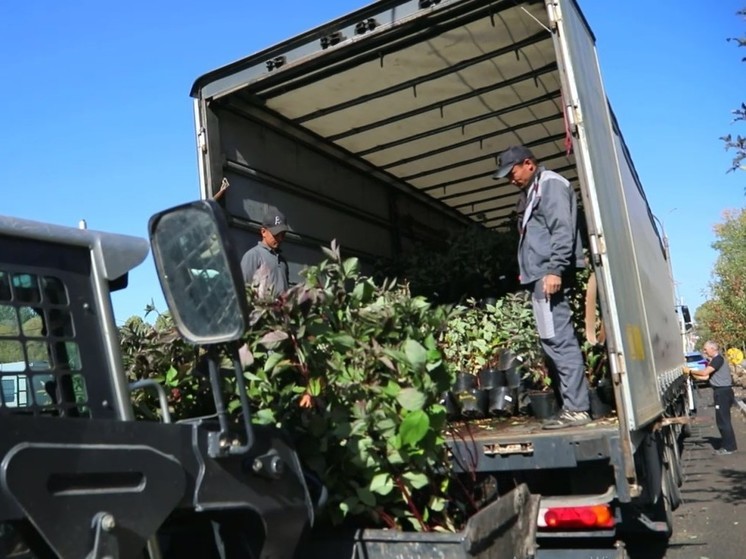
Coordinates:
column 199, row 273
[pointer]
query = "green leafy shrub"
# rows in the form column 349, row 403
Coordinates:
column 351, row 369
column 157, row 352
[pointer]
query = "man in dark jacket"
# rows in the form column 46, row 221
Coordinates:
column 549, row 251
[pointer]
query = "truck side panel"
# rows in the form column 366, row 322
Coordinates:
column 623, row 235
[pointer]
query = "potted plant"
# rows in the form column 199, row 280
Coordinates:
column 469, row 344
column 600, row 389
column 514, row 316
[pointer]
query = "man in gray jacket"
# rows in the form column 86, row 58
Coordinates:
column 549, row 251
column 265, row 258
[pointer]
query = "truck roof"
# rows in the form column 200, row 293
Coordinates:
column 444, row 87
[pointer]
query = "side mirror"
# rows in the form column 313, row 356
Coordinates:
column 200, row 277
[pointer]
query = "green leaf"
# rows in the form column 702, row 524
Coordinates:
column 416, row 479
column 342, row 342
column 416, row 354
column 314, row 386
column 381, row 484
column 366, row 497
column 411, row 399
column 263, row 417
column 171, row 376
column 391, row 389
column 350, row 266
column 436, row 504
column 362, row 291
column 272, row 361
column 414, row 427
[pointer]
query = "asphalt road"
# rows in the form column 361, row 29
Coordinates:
column 711, row 523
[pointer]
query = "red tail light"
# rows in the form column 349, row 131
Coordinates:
column 573, row 518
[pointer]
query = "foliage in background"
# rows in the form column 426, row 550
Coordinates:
column 723, row 317
column 14, row 321
column 737, row 143
column 155, row 351
column 472, row 263
column 476, row 334
column 351, row 369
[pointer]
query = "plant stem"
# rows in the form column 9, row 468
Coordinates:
column 410, row 504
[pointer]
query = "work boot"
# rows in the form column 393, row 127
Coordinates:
column 567, row 418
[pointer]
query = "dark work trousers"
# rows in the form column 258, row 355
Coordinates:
column 724, row 399
column 558, row 340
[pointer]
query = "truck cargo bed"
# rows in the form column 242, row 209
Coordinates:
column 519, row 443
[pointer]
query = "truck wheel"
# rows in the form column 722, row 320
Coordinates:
column 665, row 505
column 671, row 479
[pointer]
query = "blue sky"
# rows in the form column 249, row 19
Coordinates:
column 97, row 116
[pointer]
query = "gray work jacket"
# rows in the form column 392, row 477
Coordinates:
column 550, row 238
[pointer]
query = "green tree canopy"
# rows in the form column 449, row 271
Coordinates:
column 724, row 315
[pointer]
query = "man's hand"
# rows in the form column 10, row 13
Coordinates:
column 552, row 284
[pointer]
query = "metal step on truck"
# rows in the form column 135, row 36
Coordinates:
column 380, row 129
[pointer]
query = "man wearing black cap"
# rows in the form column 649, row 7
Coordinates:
column 266, row 254
column 549, row 250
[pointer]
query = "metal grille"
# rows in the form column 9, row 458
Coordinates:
column 40, row 359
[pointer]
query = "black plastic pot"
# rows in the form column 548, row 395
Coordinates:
column 599, row 408
column 606, row 392
column 543, row 404
column 473, row 403
column 490, row 378
column 508, row 364
column 451, row 404
column 503, row 401
column 464, row 381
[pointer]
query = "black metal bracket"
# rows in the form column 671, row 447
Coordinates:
column 276, row 62
column 428, row 3
column 366, row 25
column 331, row 39
column 105, row 544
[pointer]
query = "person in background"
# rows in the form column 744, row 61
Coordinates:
column 717, row 372
column 549, row 251
column 266, row 255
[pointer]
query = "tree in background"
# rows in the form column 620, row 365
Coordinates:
column 737, row 143
column 723, row 317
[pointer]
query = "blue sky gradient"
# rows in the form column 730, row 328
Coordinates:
column 98, row 119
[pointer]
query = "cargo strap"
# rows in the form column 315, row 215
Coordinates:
column 595, row 333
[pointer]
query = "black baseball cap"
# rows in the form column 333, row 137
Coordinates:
column 509, row 158
column 274, row 220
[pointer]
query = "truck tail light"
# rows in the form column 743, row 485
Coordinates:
column 568, row 518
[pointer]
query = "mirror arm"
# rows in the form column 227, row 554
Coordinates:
column 243, row 397
column 218, row 447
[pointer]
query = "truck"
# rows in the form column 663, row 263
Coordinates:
column 378, row 129
column 381, row 128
